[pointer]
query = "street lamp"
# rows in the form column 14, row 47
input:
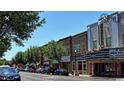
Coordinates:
column 75, row 52
column 76, row 63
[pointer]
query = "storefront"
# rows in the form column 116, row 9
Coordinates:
column 65, row 63
column 107, row 62
column 79, row 64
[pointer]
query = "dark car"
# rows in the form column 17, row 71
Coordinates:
column 32, row 70
column 51, row 70
column 46, row 70
column 61, row 71
column 9, row 74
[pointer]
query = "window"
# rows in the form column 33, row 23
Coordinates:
column 77, row 47
column 66, row 50
column 108, row 41
column 122, row 22
column 84, row 66
column 94, row 44
column 123, row 38
column 73, row 65
column 79, row 65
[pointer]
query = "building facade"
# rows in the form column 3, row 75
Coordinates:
column 99, row 50
column 79, row 47
column 106, row 46
column 74, row 47
column 66, row 59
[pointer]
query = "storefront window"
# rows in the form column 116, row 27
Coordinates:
column 73, row 65
column 84, row 67
column 79, row 65
column 109, row 67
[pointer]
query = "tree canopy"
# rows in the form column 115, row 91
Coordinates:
column 33, row 54
column 17, row 27
column 54, row 50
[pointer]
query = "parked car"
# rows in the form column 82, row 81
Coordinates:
column 9, row 74
column 39, row 70
column 51, row 70
column 61, row 71
column 32, row 70
column 46, row 70
column 27, row 69
column 21, row 69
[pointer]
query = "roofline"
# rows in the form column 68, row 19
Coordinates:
column 79, row 34
column 92, row 24
column 65, row 38
column 108, row 15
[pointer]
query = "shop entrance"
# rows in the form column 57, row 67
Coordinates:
column 104, row 69
column 122, row 69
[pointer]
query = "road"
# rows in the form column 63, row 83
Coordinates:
column 25, row 76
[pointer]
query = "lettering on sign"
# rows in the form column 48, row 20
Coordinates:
column 116, row 53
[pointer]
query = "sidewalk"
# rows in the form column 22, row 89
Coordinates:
column 80, row 75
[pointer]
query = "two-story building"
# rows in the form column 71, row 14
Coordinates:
column 66, row 59
column 79, row 47
column 74, row 47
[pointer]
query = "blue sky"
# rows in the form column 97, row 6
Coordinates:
column 58, row 25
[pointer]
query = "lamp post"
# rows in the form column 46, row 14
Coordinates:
column 76, row 63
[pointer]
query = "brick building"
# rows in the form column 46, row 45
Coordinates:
column 66, row 59
column 99, row 50
column 74, row 46
column 79, row 47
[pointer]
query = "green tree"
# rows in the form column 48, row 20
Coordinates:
column 19, row 58
column 54, row 50
column 33, row 54
column 3, row 62
column 17, row 27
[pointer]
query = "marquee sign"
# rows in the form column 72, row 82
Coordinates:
column 116, row 53
column 102, row 54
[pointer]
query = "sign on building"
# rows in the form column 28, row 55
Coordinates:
column 65, row 59
column 116, row 53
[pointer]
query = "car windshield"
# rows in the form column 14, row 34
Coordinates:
column 7, row 70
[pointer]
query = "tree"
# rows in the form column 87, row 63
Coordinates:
column 54, row 50
column 17, row 27
column 3, row 62
column 33, row 54
column 19, row 58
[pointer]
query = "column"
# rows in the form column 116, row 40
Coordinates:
column 92, row 68
column 82, row 67
column 118, row 69
column 76, row 68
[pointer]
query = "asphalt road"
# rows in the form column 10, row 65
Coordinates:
column 25, row 76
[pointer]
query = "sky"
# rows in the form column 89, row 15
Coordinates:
column 59, row 24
